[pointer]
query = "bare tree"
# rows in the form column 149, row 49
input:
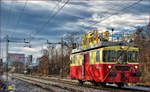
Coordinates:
column 142, row 40
column 72, row 38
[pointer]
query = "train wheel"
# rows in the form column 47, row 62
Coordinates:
column 120, row 84
column 95, row 83
column 80, row 82
column 103, row 84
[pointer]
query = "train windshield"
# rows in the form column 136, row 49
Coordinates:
column 132, row 56
column 113, row 56
column 109, row 56
column 121, row 56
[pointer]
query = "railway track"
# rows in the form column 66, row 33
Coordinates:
column 54, row 86
column 65, row 85
column 42, row 85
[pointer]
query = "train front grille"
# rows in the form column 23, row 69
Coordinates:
column 122, row 68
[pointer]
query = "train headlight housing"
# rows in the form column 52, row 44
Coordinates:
column 122, row 47
column 109, row 66
column 136, row 67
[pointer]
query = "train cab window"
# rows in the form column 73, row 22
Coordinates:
column 97, row 56
column 122, row 55
column 109, row 56
column 132, row 56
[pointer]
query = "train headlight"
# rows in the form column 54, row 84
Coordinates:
column 136, row 67
column 122, row 47
column 109, row 66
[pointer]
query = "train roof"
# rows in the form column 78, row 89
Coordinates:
column 101, row 45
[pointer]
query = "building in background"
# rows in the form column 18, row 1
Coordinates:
column 15, row 58
column 29, row 60
column 16, row 61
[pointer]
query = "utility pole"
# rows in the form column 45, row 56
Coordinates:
column 62, row 59
column 52, row 60
column 112, row 34
column 7, row 45
column 62, row 56
column 56, row 55
column 7, row 48
column 123, row 37
column 50, row 57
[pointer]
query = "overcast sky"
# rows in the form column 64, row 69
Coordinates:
column 29, row 19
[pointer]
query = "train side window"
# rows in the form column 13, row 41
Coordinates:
column 74, row 59
column 104, row 56
column 97, row 56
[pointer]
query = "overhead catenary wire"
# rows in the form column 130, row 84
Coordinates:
column 116, row 13
column 7, row 23
column 50, row 19
column 23, row 9
column 18, row 20
column 81, row 17
column 104, row 18
column 20, row 16
column 9, row 15
column 119, row 10
column 53, row 10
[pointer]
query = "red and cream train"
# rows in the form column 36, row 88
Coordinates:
column 105, row 62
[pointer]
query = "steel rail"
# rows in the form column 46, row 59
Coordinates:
column 87, row 87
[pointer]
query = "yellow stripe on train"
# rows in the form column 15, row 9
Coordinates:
column 96, row 55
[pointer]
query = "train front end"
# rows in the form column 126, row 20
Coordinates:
column 121, row 65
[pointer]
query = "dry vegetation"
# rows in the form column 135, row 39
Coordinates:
column 53, row 62
column 142, row 39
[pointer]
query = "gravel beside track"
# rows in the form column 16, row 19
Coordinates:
column 58, row 85
column 72, row 85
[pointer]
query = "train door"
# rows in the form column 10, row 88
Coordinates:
column 86, row 67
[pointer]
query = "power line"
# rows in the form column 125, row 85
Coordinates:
column 7, row 23
column 94, row 23
column 19, row 18
column 51, row 18
column 9, row 15
column 53, row 9
column 23, row 9
column 116, row 13
column 81, row 17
